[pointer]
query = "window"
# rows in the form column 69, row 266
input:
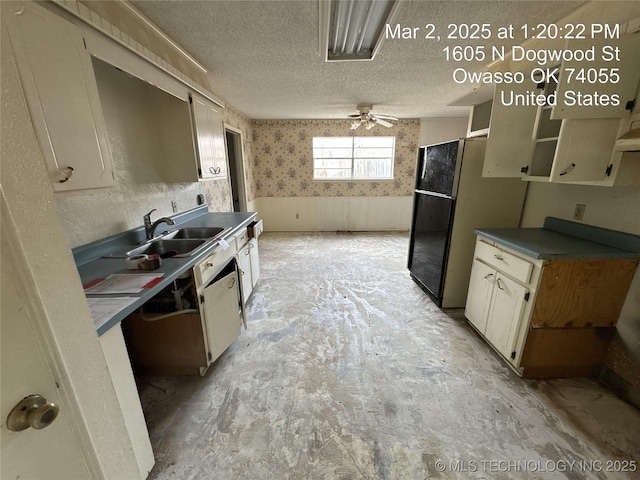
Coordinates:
column 353, row 158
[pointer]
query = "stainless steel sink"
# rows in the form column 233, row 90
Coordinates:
column 183, row 242
column 196, row 232
column 183, row 247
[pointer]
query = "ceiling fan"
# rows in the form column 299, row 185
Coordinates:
column 369, row 120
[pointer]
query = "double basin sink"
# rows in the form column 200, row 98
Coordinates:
column 183, row 242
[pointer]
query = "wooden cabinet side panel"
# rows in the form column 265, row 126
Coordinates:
column 582, row 293
column 173, row 345
column 564, row 352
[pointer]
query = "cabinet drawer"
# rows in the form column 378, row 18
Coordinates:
column 255, row 229
column 211, row 266
column 505, row 262
column 241, row 239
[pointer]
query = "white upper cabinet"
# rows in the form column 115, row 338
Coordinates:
column 57, row 77
column 527, row 141
column 209, row 137
column 510, row 132
column 599, row 81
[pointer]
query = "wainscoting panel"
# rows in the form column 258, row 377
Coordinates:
column 326, row 214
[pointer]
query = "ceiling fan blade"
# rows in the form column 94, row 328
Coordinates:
column 355, row 115
column 384, row 123
column 386, row 117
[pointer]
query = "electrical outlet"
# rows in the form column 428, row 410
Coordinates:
column 578, row 213
column 174, row 206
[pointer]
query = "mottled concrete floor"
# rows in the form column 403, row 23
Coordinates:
column 349, row 371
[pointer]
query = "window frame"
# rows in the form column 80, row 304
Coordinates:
column 352, row 159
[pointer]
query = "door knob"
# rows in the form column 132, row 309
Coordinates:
column 33, row 411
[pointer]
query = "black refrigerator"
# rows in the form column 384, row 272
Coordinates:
column 450, row 200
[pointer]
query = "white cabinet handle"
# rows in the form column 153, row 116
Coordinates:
column 488, row 277
column 498, row 256
column 500, row 284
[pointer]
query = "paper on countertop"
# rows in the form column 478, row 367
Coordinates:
column 104, row 308
column 123, row 283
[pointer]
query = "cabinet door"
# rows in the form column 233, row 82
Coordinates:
column 244, row 264
column 505, row 314
column 510, row 141
column 61, row 91
column 221, row 314
column 599, row 78
column 479, row 296
column 584, row 149
column 209, row 138
column 255, row 261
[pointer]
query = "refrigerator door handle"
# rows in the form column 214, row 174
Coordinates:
column 434, row 194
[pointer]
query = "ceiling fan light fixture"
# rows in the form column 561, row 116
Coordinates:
column 368, row 119
column 353, row 29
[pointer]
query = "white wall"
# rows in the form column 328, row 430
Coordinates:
column 438, row 130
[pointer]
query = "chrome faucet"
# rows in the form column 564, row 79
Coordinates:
column 150, row 228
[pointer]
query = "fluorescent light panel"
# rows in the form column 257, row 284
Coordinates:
column 354, row 28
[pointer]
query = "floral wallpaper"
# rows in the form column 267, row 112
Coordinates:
column 282, row 159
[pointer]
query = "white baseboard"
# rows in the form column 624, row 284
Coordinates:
column 318, row 214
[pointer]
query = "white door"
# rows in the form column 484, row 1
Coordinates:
column 53, row 452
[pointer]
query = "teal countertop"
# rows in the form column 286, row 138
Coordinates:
column 93, row 264
column 562, row 239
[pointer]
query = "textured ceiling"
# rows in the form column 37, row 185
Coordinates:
column 263, row 56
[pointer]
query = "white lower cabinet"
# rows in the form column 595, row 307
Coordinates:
column 547, row 318
column 219, row 306
column 248, row 260
column 495, row 306
column 479, row 296
column 169, row 342
column 505, row 314
column 249, row 265
column 255, row 261
column 244, row 265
